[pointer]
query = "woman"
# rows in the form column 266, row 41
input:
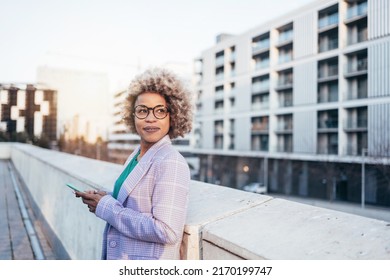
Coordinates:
column 146, row 211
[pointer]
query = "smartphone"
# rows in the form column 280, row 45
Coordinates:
column 73, row 187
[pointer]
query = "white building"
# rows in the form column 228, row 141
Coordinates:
column 83, row 100
column 294, row 102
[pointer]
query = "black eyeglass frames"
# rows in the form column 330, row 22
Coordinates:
column 160, row 111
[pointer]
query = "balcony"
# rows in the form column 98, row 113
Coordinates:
column 285, row 98
column 329, row 45
column 233, row 56
column 284, row 148
column 260, row 128
column 284, row 128
column 261, row 63
column 284, row 82
column 219, row 61
column 328, row 96
column 259, row 143
column 286, row 57
column 328, row 21
column 258, row 87
column 219, row 76
column 328, row 125
column 328, row 73
column 260, row 46
column 218, row 218
column 327, row 150
column 356, row 11
column 353, row 125
column 356, row 143
column 356, row 69
column 219, row 94
column 261, row 105
column 359, row 93
column 218, row 130
column 285, row 37
column 358, row 36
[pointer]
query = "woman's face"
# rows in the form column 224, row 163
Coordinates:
column 151, row 129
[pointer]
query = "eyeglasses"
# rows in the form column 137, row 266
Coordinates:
column 160, row 111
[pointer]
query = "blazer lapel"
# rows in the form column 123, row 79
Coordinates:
column 140, row 169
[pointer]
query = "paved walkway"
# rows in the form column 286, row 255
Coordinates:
column 21, row 237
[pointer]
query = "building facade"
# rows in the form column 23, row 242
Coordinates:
column 300, row 104
column 29, row 108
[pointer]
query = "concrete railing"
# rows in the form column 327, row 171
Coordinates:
column 222, row 223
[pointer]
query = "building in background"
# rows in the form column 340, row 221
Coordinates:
column 29, row 109
column 83, row 101
column 300, row 104
column 120, row 142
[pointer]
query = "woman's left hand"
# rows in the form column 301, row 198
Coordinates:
column 91, row 198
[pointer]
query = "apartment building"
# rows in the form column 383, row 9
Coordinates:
column 300, row 104
column 29, row 108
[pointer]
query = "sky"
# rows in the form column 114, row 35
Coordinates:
column 118, row 38
column 120, row 34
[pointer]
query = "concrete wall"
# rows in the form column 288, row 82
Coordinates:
column 222, row 223
column 5, row 150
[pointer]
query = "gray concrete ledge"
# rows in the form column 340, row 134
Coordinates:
column 222, row 223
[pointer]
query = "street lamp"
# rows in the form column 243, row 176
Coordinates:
column 364, row 151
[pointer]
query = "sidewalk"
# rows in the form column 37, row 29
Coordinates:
column 369, row 211
column 21, row 237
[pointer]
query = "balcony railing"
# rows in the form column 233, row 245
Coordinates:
column 360, row 66
column 327, row 46
column 357, row 10
column 259, row 147
column 359, row 124
column 361, row 36
column 260, row 105
column 284, row 148
column 330, row 20
column 285, row 36
column 330, row 96
column 260, row 45
column 220, row 60
column 287, row 102
column 260, row 86
column 356, row 150
column 218, row 142
column 219, row 94
column 260, row 127
column 330, row 71
column 328, row 124
column 360, row 93
column 219, row 76
column 284, row 58
column 261, row 64
column 232, row 56
column 284, row 82
column 284, row 127
column 327, row 149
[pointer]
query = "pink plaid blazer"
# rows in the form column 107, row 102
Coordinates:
column 147, row 220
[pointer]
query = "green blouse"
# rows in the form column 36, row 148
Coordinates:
column 123, row 176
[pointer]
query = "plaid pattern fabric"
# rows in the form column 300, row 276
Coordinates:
column 147, row 219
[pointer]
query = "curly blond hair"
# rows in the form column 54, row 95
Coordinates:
column 175, row 93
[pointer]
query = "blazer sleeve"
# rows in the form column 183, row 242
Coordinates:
column 169, row 201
